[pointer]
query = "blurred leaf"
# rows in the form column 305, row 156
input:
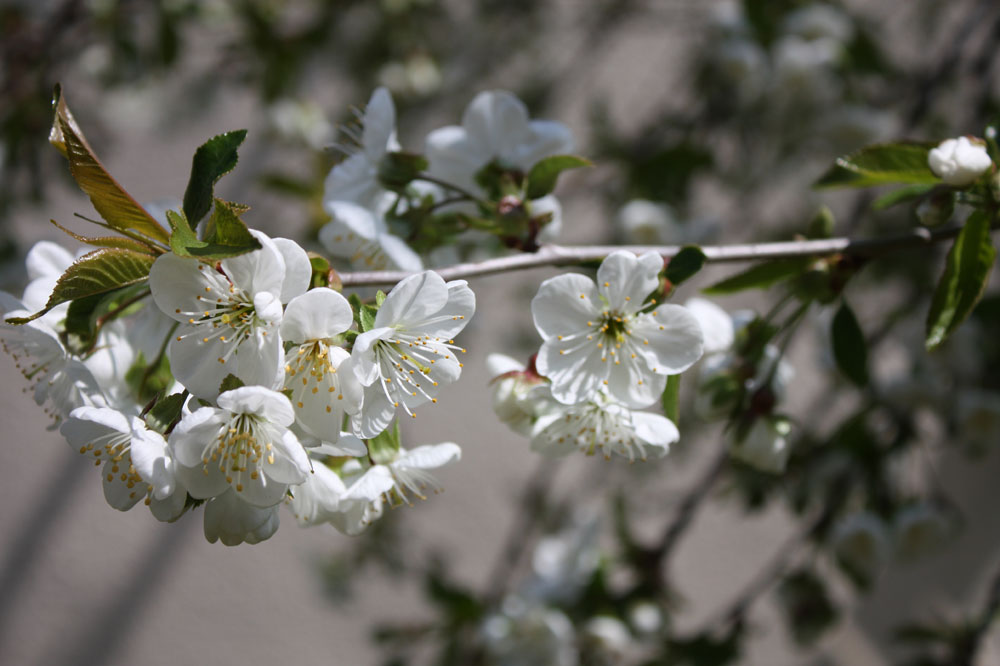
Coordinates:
column 685, row 264
column 902, row 195
column 850, row 349
column 822, row 223
column 808, row 608
column 881, row 164
column 110, row 199
column 460, row 605
column 545, row 173
column 760, row 276
column 966, row 273
column 666, row 174
column 95, row 273
column 230, row 383
column 703, row 650
column 398, row 169
column 213, row 160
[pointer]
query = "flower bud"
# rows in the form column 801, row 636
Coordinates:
column 959, row 162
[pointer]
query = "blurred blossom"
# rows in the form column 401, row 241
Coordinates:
column 820, row 21
column 645, row 617
column 978, row 416
column 419, row 75
column 564, row 562
column 861, row 543
column 644, row 222
column 604, row 640
column 300, row 122
column 528, row 635
column 765, row 445
column 919, row 530
column 851, row 126
column 743, row 64
column 804, row 69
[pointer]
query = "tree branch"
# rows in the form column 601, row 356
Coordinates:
column 560, row 255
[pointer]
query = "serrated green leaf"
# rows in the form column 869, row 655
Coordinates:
column 545, row 173
column 231, row 382
column 226, row 234
column 671, row 399
column 760, row 276
column 213, row 160
column 95, row 273
column 966, row 273
column 379, row 298
column 881, row 164
column 384, row 447
column 367, row 314
column 685, row 264
column 850, row 349
column 902, row 195
column 110, row 199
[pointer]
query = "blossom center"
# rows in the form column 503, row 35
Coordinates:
column 239, row 448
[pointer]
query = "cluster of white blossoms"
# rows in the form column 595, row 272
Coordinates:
column 496, row 131
column 273, row 396
column 608, row 348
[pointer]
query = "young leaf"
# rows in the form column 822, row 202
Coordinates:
column 544, row 174
column 849, row 347
column 110, row 199
column 213, row 160
column 685, row 264
column 966, row 272
column 881, row 164
column 227, row 234
column 760, row 276
column 95, row 273
column 671, row 398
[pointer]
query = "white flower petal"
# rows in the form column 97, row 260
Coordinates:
column 379, row 129
column 267, row 404
column 117, row 491
column 716, row 324
column 672, row 338
column 177, row 285
column 318, row 314
column 370, row 485
column 233, row 521
column 413, row 300
column 298, row 269
column 257, row 271
column 565, row 304
column 46, row 259
column 429, row 456
column 195, row 433
column 626, row 280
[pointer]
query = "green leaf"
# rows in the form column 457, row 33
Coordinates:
column 165, row 412
column 881, row 164
column 849, row 347
column 966, row 273
column 685, row 264
column 384, row 447
column 671, row 398
column 760, row 276
column 83, row 313
column 226, row 234
column 379, row 298
column 544, row 174
column 110, row 199
column 95, row 273
column 231, row 382
column 902, row 195
column 213, row 160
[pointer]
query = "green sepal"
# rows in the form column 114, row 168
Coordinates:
column 166, row 412
column 881, row 164
column 384, row 447
column 671, row 399
column 966, row 272
column 213, row 160
column 685, row 264
column 545, row 173
column 231, row 382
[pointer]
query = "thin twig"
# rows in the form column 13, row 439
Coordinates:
column 561, row 255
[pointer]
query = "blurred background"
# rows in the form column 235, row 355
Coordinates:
column 708, row 121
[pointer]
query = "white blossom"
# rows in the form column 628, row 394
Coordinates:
column 136, row 462
column 356, row 178
column 407, row 356
column 231, row 520
column 361, row 237
column 321, row 395
column 920, row 529
column 495, row 127
column 529, row 635
column 765, row 444
column 243, row 444
column 644, row 222
column 598, row 336
column 959, row 162
column 229, row 317
column 516, row 401
column 603, row 425
column 861, row 542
